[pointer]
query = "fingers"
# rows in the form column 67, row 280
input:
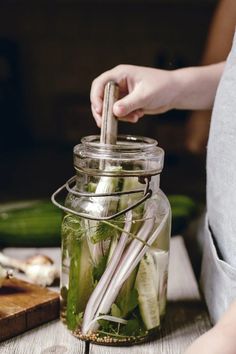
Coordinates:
column 96, row 98
column 96, row 95
column 128, row 108
column 97, row 117
column 133, row 117
column 128, row 104
column 98, row 87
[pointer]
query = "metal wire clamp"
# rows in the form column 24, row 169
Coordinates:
column 147, row 192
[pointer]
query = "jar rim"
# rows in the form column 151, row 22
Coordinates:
column 140, row 151
column 124, row 142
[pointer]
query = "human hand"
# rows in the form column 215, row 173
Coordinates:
column 142, row 91
column 213, row 342
column 220, row 339
column 151, row 91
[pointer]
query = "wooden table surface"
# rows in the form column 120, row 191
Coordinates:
column 186, row 317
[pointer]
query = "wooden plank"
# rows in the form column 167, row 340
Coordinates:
column 186, row 317
column 51, row 338
column 24, row 306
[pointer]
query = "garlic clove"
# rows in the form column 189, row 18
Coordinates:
column 39, row 259
column 43, row 275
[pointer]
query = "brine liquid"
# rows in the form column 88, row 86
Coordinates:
column 141, row 301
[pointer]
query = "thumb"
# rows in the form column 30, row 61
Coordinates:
column 127, row 104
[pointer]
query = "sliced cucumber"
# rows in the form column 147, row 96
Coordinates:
column 99, row 242
column 80, row 282
column 132, row 183
column 161, row 260
column 147, row 292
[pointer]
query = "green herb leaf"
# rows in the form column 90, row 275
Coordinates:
column 105, row 325
column 79, row 318
column 129, row 302
column 103, row 232
column 72, row 232
column 105, row 229
column 115, row 311
column 132, row 328
column 99, row 269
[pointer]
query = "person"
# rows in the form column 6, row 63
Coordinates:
column 217, row 48
column 153, row 91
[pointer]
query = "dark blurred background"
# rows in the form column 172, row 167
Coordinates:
column 50, row 51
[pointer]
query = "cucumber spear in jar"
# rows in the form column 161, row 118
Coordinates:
column 80, row 270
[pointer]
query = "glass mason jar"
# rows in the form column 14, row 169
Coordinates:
column 115, row 242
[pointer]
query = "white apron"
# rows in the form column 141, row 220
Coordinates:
column 218, row 275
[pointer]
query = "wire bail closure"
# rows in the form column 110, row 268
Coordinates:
column 147, row 193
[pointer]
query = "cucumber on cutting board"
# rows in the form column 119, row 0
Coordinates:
column 34, row 223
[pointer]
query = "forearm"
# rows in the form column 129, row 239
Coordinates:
column 227, row 324
column 197, row 86
column 220, row 339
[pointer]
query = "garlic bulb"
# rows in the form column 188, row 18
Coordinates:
column 39, row 268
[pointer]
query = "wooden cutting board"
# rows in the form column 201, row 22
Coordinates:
column 24, row 306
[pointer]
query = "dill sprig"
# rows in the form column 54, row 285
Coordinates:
column 102, row 230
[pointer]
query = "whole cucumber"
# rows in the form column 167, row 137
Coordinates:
column 183, row 210
column 35, row 223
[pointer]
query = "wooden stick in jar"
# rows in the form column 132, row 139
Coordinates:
column 109, row 121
